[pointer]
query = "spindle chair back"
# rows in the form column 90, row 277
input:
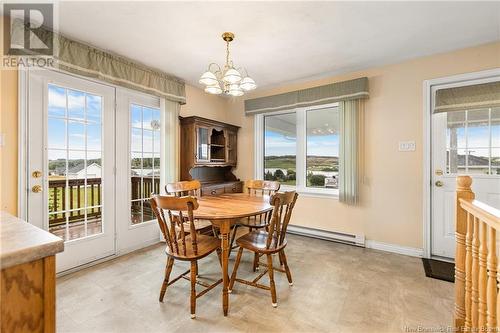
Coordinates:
column 183, row 188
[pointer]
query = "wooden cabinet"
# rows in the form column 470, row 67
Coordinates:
column 209, row 153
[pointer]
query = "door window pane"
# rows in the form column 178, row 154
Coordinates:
column 322, row 159
column 74, row 141
column 473, row 139
column 280, row 148
column 144, row 164
column 76, row 104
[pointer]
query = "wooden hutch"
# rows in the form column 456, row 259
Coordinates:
column 209, row 153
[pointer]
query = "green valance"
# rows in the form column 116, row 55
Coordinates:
column 331, row 93
column 79, row 58
column 485, row 95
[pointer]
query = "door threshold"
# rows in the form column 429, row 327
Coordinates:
column 439, row 258
column 107, row 258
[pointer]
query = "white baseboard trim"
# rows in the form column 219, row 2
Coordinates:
column 356, row 240
column 351, row 239
column 404, row 250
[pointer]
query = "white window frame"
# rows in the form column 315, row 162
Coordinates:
column 301, row 150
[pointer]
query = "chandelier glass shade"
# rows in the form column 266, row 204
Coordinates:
column 227, row 79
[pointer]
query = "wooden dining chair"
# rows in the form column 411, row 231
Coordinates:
column 268, row 243
column 190, row 247
column 256, row 188
column 192, row 188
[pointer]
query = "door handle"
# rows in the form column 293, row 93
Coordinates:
column 439, row 183
column 37, row 189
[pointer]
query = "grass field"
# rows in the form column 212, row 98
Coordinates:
column 314, row 163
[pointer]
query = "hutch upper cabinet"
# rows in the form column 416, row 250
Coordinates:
column 209, row 153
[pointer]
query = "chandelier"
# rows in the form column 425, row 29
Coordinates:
column 227, row 80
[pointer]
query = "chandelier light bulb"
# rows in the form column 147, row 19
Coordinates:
column 208, row 78
column 231, row 76
column 235, row 90
column 248, row 84
column 214, row 89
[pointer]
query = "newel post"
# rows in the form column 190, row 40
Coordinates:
column 463, row 191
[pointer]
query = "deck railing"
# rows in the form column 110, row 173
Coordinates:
column 477, row 302
column 76, row 197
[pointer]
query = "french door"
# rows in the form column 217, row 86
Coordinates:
column 463, row 143
column 71, row 159
column 93, row 160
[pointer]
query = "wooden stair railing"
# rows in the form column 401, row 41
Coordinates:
column 477, row 299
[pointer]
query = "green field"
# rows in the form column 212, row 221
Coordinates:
column 285, row 169
column 314, row 163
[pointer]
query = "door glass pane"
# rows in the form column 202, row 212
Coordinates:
column 478, row 131
column 322, row 162
column 57, row 101
column 495, row 161
column 76, row 104
column 280, row 148
column 473, row 137
column 144, row 162
column 74, row 144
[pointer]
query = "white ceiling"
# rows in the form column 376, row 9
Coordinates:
column 279, row 42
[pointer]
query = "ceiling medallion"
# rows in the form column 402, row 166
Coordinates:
column 227, row 80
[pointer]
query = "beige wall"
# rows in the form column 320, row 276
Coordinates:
column 8, row 152
column 199, row 103
column 391, row 193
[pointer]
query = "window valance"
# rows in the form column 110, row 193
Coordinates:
column 79, row 58
column 483, row 95
column 335, row 92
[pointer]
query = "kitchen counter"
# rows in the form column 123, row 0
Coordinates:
column 27, row 276
column 21, row 242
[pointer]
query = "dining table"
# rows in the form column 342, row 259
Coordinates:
column 223, row 211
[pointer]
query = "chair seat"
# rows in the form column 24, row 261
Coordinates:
column 256, row 241
column 206, row 245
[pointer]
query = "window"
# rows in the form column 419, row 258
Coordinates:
column 144, row 160
column 280, row 148
column 300, row 148
column 473, row 142
column 322, row 159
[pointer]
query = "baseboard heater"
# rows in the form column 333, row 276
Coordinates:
column 340, row 237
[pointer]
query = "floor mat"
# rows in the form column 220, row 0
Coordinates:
column 441, row 270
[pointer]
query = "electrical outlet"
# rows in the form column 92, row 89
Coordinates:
column 406, row 145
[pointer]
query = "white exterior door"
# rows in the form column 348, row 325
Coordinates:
column 463, row 143
column 70, row 164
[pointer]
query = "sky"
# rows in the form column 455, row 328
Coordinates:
column 84, row 114
column 276, row 144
